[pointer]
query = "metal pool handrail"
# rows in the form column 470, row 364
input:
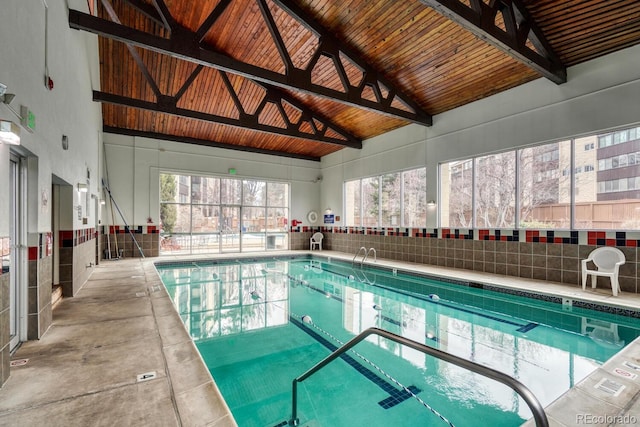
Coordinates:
column 362, row 248
column 536, row 408
column 375, row 255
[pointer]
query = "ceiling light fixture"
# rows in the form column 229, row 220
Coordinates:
column 9, row 132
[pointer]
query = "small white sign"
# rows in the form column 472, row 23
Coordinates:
column 610, row 387
column 630, row 365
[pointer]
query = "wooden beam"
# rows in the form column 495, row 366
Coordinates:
column 167, row 105
column 205, row 142
column 183, row 44
column 480, row 19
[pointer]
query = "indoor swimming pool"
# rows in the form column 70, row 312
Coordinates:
column 261, row 322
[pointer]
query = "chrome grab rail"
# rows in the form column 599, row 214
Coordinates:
column 375, row 255
column 362, row 248
column 539, row 415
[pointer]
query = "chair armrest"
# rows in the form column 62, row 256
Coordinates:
column 617, row 266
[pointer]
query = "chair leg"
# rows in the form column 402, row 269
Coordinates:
column 594, row 282
column 615, row 286
column 585, row 276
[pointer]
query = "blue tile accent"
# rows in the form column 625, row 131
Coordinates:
column 527, row 328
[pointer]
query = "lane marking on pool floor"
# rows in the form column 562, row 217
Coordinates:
column 396, row 395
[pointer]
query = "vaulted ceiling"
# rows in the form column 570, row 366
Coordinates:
column 306, row 78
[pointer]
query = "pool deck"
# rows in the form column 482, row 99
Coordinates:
column 122, row 325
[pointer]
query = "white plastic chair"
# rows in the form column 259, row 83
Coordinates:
column 316, row 241
column 607, row 260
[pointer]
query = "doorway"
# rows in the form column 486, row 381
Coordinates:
column 17, row 234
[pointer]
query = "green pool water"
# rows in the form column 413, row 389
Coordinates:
column 246, row 319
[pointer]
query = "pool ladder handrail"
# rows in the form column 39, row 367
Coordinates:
column 366, row 255
column 375, row 255
column 362, row 248
column 534, row 404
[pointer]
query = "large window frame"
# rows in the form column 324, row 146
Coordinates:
column 224, row 215
column 386, row 200
column 598, row 184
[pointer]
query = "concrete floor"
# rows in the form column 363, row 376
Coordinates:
column 83, row 372
column 122, row 324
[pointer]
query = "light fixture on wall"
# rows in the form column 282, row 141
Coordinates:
column 5, row 97
column 328, row 211
column 9, row 132
column 431, row 203
column 82, row 188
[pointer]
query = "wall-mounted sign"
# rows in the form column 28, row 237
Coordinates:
column 329, row 219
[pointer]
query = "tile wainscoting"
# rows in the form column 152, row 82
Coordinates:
column 147, row 237
column 549, row 255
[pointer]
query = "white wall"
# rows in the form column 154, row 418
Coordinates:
column 599, row 95
column 134, row 164
column 67, row 109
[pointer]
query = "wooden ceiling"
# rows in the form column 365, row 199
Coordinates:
column 306, row 78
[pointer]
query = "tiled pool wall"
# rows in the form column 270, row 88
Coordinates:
column 533, row 254
column 118, row 236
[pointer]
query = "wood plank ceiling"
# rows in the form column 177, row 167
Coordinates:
column 306, row 78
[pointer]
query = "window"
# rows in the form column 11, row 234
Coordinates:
column 390, row 200
column 207, row 214
column 544, row 192
column 553, row 180
column 352, row 202
column 456, row 184
column 495, row 190
column 370, row 199
column 414, row 203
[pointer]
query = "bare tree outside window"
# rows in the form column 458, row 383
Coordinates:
column 456, row 180
column 352, row 202
column 415, row 197
column 254, row 193
column 370, row 197
column 495, row 190
column 390, row 200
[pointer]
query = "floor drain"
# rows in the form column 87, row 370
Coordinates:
column 18, row 362
column 146, row 376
